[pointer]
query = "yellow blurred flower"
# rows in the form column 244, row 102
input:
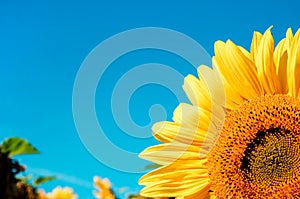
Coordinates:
column 61, row 193
column 104, row 188
column 42, row 194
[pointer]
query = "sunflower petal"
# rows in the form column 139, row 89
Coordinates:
column 197, row 92
column 167, row 153
column 211, row 86
column 233, row 99
column 254, row 45
column 293, row 64
column 196, row 118
column 192, row 116
column 280, row 61
column 245, row 52
column 289, row 38
column 203, row 194
column 265, row 64
column 278, row 52
column 237, row 69
column 214, row 85
column 179, row 179
column 172, row 132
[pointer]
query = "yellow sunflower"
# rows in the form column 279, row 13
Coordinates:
column 240, row 138
column 61, row 193
column 104, row 188
column 42, row 194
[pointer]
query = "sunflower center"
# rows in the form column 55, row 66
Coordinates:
column 272, row 157
column 258, row 152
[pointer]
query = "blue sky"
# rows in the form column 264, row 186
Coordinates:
column 43, row 43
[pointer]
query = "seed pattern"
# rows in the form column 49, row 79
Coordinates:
column 257, row 155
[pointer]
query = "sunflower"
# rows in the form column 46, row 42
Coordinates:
column 104, row 188
column 42, row 194
column 61, row 193
column 240, row 137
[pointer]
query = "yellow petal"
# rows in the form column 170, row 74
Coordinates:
column 278, row 52
column 265, row 64
column 289, row 38
column 254, row 45
column 176, row 189
column 167, row 153
column 239, row 72
column 181, row 178
column 196, row 118
column 206, row 91
column 293, row 66
column 203, row 194
column 280, row 61
column 186, row 169
column 197, row 92
column 233, row 99
column 192, row 116
column 173, row 132
column 214, row 85
column 245, row 52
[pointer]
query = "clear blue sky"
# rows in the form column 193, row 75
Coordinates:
column 43, row 43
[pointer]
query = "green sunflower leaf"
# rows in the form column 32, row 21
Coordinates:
column 152, row 166
column 17, row 146
column 42, row 179
column 24, row 179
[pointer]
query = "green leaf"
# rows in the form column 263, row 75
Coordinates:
column 24, row 179
column 17, row 146
column 42, row 179
column 152, row 166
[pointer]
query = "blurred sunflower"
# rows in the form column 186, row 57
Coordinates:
column 60, row 193
column 104, row 188
column 240, row 138
column 42, row 194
